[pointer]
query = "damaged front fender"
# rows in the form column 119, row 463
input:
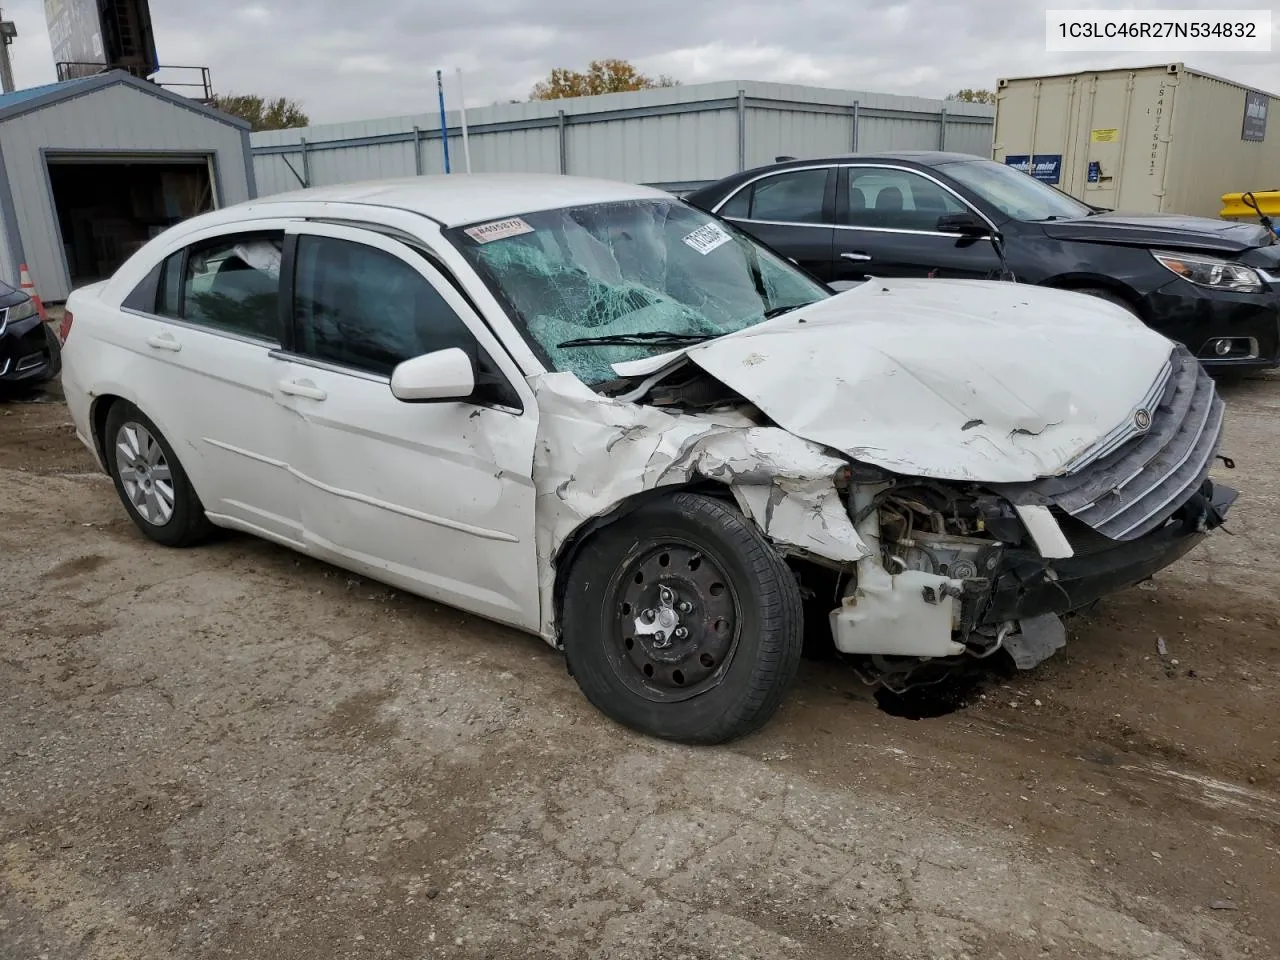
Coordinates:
column 593, row 453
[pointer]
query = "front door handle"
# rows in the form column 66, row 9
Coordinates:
column 302, row 388
column 855, row 255
column 164, row 341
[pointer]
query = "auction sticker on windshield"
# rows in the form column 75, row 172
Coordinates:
column 498, row 230
column 707, row 238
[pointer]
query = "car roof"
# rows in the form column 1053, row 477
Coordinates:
column 927, row 158
column 923, row 158
column 459, row 198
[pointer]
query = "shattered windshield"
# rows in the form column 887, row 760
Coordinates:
column 610, row 282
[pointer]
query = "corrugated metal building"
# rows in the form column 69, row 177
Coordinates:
column 92, row 168
column 675, row 137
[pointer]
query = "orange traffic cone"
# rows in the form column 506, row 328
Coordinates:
column 24, row 282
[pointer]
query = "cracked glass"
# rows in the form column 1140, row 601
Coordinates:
column 655, row 274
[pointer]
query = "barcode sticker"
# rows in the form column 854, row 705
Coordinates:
column 707, row 238
column 498, row 230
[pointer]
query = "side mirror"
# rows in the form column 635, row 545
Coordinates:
column 965, row 224
column 441, row 375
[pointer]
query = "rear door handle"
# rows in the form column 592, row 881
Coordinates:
column 164, row 341
column 301, row 388
column 855, row 255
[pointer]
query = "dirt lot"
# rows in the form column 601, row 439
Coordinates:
column 234, row 751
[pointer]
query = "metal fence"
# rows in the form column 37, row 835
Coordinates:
column 676, row 138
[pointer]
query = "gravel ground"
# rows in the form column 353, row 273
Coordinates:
column 236, row 751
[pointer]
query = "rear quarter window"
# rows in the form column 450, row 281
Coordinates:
column 143, row 296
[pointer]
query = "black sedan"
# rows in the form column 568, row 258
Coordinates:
column 1213, row 285
column 29, row 350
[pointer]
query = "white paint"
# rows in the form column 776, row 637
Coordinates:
column 472, row 505
column 1045, row 531
column 441, row 375
column 462, row 198
column 893, row 371
column 593, row 452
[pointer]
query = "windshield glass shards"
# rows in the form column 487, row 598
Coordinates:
column 595, row 285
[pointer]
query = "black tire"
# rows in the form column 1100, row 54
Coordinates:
column 184, row 524
column 743, row 622
column 1108, row 295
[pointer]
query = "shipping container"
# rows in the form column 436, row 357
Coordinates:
column 1158, row 139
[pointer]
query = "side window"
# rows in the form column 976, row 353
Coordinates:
column 143, row 297
column 361, row 307
column 739, row 205
column 170, row 299
column 231, row 283
column 896, row 200
column 795, row 197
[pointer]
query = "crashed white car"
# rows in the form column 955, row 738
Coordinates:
column 590, row 411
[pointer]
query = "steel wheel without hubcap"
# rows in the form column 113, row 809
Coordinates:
column 680, row 620
column 144, row 473
column 677, row 622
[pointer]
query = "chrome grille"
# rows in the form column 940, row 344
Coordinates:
column 1125, row 431
column 1133, row 489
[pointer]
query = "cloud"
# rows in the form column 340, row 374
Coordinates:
column 381, row 61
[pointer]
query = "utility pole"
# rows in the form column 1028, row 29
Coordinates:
column 8, row 30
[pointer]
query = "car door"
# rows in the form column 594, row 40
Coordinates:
column 434, row 497
column 888, row 227
column 208, row 320
column 793, row 212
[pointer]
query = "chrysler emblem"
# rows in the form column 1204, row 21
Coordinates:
column 1142, row 420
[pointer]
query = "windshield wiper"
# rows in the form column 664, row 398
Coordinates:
column 664, row 338
column 779, row 311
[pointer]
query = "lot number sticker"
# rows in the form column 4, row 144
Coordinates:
column 498, row 230
column 707, row 238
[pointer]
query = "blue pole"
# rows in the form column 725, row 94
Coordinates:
column 444, row 127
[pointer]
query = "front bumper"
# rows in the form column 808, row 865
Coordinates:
column 1027, row 585
column 1200, row 317
column 29, row 354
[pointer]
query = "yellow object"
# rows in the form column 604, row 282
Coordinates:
column 1105, row 135
column 1234, row 207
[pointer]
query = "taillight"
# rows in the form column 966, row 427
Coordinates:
column 64, row 328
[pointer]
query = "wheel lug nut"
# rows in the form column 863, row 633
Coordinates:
column 681, row 633
column 684, row 606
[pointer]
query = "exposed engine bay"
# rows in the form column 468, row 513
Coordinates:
column 959, row 571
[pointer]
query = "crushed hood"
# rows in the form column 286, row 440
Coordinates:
column 951, row 379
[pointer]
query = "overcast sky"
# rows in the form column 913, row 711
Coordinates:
column 381, row 61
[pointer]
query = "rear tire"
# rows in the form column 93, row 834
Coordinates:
column 681, row 621
column 155, row 490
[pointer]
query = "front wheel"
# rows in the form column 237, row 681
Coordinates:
column 1110, row 296
column 681, row 621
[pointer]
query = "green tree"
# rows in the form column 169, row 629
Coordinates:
column 601, row 76
column 278, row 114
column 973, row 96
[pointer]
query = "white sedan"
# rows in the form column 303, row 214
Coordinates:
column 590, row 411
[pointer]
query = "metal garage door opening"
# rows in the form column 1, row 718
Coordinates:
column 109, row 207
